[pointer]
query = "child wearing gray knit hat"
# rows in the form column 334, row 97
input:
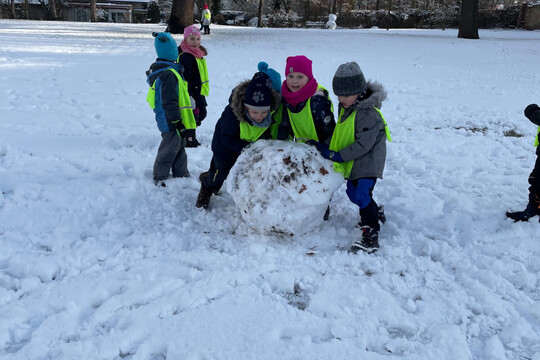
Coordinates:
column 348, row 80
column 358, row 147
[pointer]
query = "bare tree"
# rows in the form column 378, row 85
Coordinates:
column 468, row 21
column 52, row 8
column 181, row 16
column 93, row 11
column 13, row 8
column 259, row 21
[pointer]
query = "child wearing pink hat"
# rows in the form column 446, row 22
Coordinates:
column 191, row 57
column 306, row 112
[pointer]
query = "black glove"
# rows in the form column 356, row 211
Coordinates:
column 188, row 134
column 178, row 126
column 529, row 110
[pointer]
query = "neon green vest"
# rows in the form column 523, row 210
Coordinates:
column 186, row 112
column 536, row 142
column 203, row 73
column 250, row 133
column 302, row 123
column 344, row 135
column 277, row 115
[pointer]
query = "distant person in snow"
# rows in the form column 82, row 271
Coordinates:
column 196, row 74
column 244, row 120
column 306, row 112
column 358, row 147
column 169, row 98
column 532, row 112
column 206, row 19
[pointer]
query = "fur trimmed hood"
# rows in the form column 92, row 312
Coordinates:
column 236, row 100
column 378, row 94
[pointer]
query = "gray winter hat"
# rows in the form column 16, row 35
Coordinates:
column 348, row 80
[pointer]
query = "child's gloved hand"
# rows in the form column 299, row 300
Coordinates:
column 331, row 155
column 320, row 146
column 529, row 110
column 187, row 134
column 179, row 127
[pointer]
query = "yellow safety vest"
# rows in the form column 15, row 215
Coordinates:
column 344, row 135
column 536, row 142
column 184, row 103
column 203, row 74
column 277, row 115
column 302, row 122
column 249, row 132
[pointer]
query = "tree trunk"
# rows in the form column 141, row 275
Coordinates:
column 181, row 16
column 52, row 5
column 93, row 11
column 13, row 8
column 468, row 21
column 388, row 17
column 259, row 21
column 306, row 13
column 26, row 14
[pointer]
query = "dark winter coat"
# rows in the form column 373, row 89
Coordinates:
column 166, row 109
column 369, row 148
column 226, row 143
column 323, row 117
column 193, row 77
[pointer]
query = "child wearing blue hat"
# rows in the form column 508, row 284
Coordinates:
column 169, row 98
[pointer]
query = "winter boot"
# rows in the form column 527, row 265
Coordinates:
column 380, row 214
column 160, row 183
column 202, row 176
column 369, row 242
column 203, row 199
column 530, row 211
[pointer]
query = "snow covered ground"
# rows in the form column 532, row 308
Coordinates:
column 98, row 263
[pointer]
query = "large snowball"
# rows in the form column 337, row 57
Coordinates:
column 282, row 186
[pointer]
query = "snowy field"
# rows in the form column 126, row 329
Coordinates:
column 98, row 263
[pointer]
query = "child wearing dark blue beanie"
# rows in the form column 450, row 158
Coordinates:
column 244, row 120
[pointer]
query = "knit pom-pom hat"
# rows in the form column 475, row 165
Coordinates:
column 259, row 92
column 272, row 74
column 166, row 47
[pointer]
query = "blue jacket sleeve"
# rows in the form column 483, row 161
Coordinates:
column 169, row 95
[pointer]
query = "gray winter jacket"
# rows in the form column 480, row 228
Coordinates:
column 369, row 148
